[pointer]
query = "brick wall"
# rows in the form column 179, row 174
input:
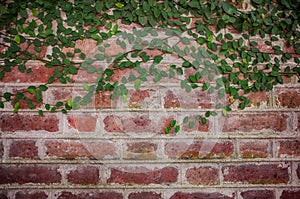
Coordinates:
column 115, row 149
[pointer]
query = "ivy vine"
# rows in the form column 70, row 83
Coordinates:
column 227, row 58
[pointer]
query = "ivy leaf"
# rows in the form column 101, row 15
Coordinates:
column 142, row 20
column 119, row 5
column 137, row 84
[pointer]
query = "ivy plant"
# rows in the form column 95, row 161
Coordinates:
column 228, row 59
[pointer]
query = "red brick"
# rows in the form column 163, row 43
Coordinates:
column 39, row 74
column 33, row 195
column 147, row 98
column 23, row 149
column 25, row 122
column 142, row 175
column 255, row 149
column 255, row 122
column 29, row 174
column 145, row 195
column 258, row 194
column 288, row 97
column 30, row 49
column 298, row 125
column 289, row 148
column 256, row 174
column 141, row 150
column 90, row 195
column 84, row 175
column 202, row 176
column 3, row 196
column 264, row 48
column 114, row 123
column 290, row 194
column 200, row 149
column 103, row 100
column 200, row 195
column 80, row 149
column 193, row 99
column 1, row 149
column 259, row 98
column 23, row 103
column 198, row 125
column 87, row 46
column 82, row 123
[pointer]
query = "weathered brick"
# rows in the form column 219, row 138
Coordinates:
column 80, row 149
column 31, row 195
column 114, row 123
column 199, row 149
column 29, row 174
column 23, row 149
column 198, row 125
column 142, row 175
column 255, row 122
column 258, row 194
column 259, row 98
column 84, row 175
column 39, row 74
column 256, row 174
column 255, row 149
column 202, row 176
column 83, row 123
column 290, row 194
column 141, row 150
column 146, row 98
column 145, row 195
column 288, row 97
column 182, row 99
column 103, row 100
column 200, row 195
column 90, row 195
column 26, row 122
column 87, row 46
column 289, row 148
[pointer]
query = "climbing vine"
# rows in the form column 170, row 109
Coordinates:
column 219, row 41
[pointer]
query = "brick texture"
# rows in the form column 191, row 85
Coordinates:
column 255, row 122
column 90, row 195
column 290, row 194
column 256, row 174
column 258, row 194
column 84, row 175
column 29, row 174
column 145, row 195
column 289, row 148
column 199, row 195
column 288, row 97
column 255, row 149
column 23, row 149
column 202, row 176
column 26, row 195
column 13, row 123
column 142, row 175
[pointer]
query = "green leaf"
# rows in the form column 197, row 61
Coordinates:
column 137, row 84
column 119, row 5
column 185, row 119
column 172, row 123
column 177, row 129
column 16, row 107
column 41, row 113
column 142, row 20
column 17, row 39
column 167, row 130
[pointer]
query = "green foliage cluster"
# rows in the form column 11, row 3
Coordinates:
column 228, row 55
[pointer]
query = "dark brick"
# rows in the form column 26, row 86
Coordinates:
column 256, row 174
column 145, row 195
column 258, row 194
column 142, row 175
column 290, row 194
column 35, row 195
column 200, row 195
column 29, row 174
column 289, row 148
column 90, row 195
column 1, row 149
column 23, row 149
column 84, row 175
